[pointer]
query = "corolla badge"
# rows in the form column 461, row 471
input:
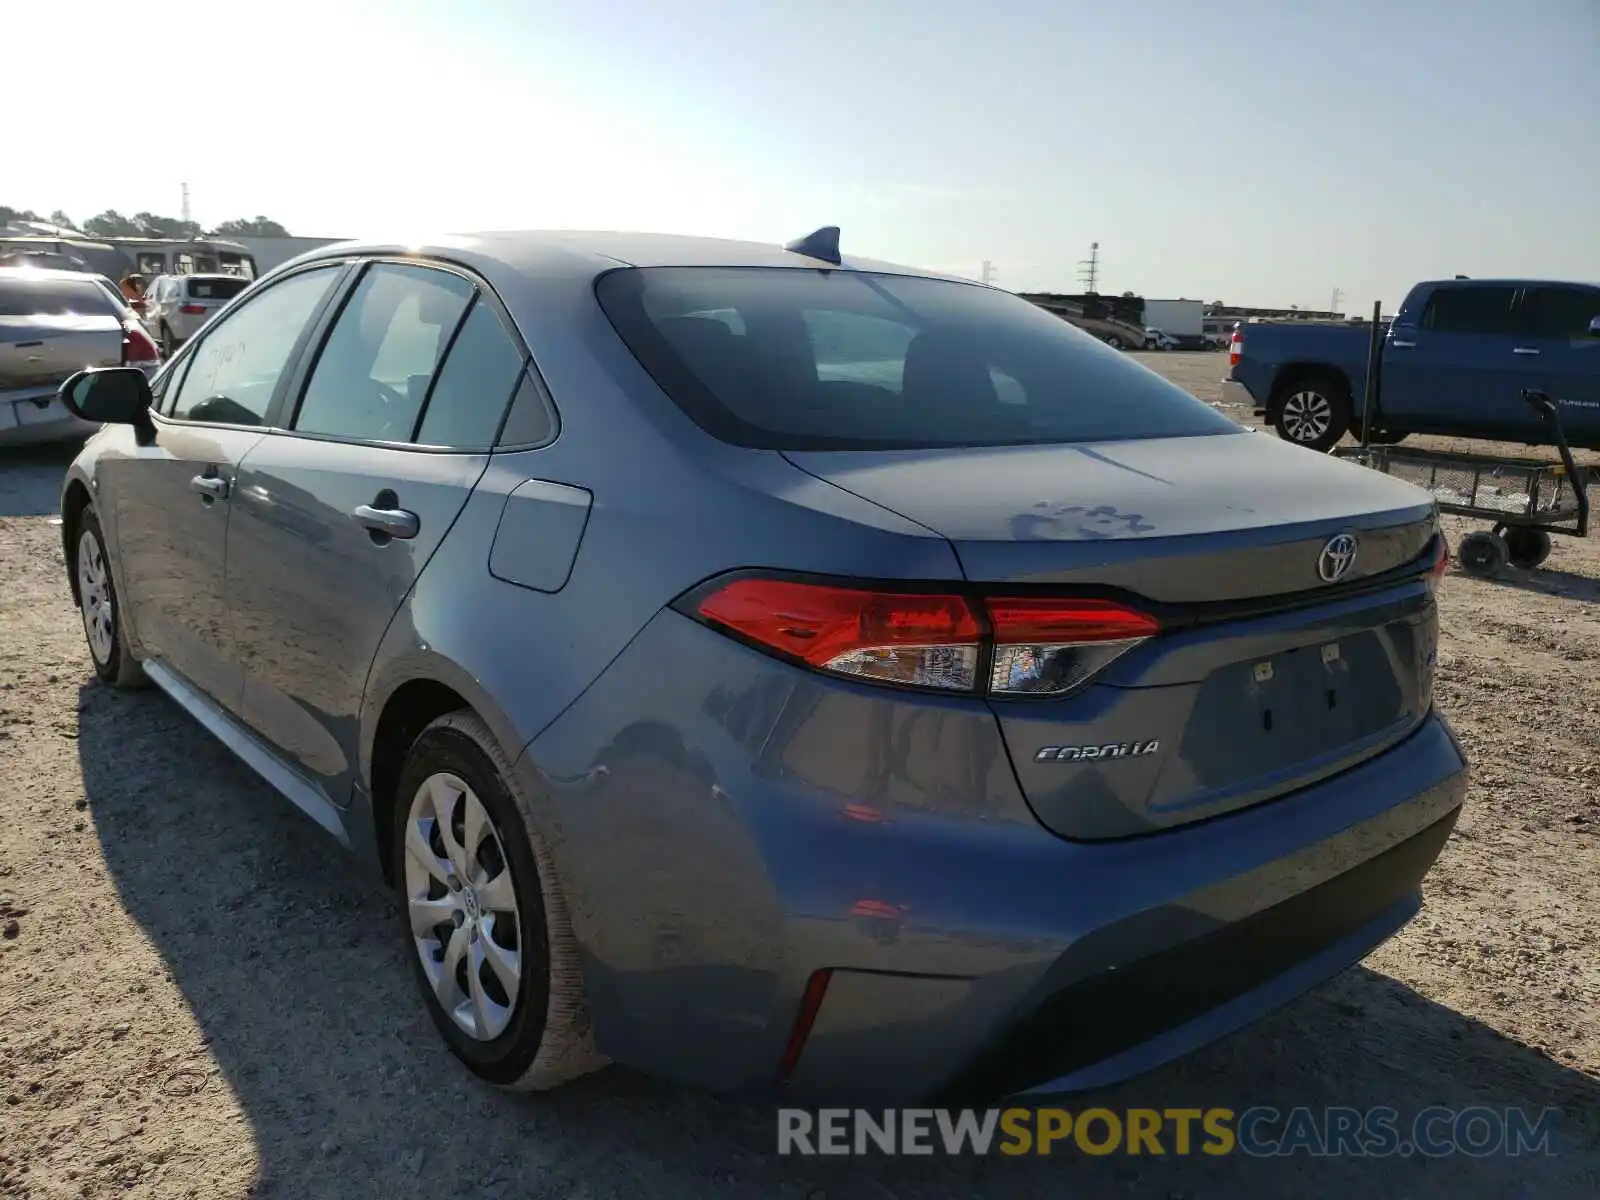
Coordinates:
column 1337, row 557
column 1137, row 749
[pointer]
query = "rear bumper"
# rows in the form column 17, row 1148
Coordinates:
column 1234, row 394
column 25, row 422
column 727, row 826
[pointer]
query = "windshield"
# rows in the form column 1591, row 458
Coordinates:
column 813, row 360
column 53, row 298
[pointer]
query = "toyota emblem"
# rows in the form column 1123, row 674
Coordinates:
column 1337, row 557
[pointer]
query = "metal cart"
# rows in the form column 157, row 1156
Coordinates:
column 1527, row 499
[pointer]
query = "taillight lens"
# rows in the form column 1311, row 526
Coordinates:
column 936, row 641
column 137, row 346
column 926, row 641
column 1046, row 647
column 192, row 310
column 1440, row 563
column 1235, row 348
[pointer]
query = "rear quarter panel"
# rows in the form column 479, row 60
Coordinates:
column 1274, row 353
column 670, row 507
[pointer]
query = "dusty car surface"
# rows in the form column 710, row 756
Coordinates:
column 762, row 667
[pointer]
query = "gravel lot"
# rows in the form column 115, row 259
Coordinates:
column 196, row 1000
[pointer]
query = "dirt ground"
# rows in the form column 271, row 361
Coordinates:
column 197, row 1000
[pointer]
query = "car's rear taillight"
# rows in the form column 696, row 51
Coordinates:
column 928, row 641
column 138, row 348
column 1235, row 347
column 1046, row 647
column 1440, row 562
column 938, row 641
column 192, row 310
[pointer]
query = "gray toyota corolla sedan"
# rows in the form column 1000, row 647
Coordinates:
column 762, row 668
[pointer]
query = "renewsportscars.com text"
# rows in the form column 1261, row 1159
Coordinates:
column 1260, row 1131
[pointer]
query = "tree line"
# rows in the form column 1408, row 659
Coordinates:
column 111, row 223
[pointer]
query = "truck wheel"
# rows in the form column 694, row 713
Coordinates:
column 1483, row 554
column 1114, row 342
column 1527, row 548
column 1314, row 413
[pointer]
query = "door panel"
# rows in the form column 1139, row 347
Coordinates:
column 336, row 519
column 1569, row 359
column 1454, row 367
column 172, row 539
column 312, row 590
column 173, row 497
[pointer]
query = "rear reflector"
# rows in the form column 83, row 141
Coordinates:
column 935, row 641
column 1235, row 348
column 192, row 310
column 810, row 1005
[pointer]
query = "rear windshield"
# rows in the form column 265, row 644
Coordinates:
column 53, row 298
column 216, row 289
column 800, row 359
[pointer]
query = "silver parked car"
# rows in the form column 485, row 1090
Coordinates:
column 762, row 667
column 176, row 306
column 53, row 324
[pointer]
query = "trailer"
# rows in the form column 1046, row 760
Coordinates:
column 1182, row 319
column 1526, row 499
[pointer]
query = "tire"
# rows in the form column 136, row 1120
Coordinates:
column 1314, row 413
column 99, row 607
column 1114, row 342
column 540, row 1037
column 1483, row 554
column 169, row 344
column 1527, row 548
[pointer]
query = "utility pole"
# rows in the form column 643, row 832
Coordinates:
column 1338, row 294
column 989, row 272
column 1089, row 269
column 186, row 203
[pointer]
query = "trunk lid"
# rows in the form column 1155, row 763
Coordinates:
column 1266, row 676
column 38, row 352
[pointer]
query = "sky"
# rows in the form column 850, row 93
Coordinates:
column 1262, row 152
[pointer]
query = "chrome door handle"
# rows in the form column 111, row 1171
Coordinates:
column 1398, row 344
column 1525, row 350
column 210, row 487
column 391, row 522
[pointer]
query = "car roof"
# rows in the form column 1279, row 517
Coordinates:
column 529, row 250
column 1516, row 283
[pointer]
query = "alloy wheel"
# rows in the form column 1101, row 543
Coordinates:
column 94, row 598
column 1307, row 416
column 465, row 923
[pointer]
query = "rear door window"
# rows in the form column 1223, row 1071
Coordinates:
column 1562, row 312
column 234, row 372
column 378, row 363
column 804, row 359
column 1475, row 310
column 474, row 386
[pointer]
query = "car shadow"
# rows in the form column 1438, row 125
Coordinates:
column 30, row 478
column 1549, row 583
column 295, row 973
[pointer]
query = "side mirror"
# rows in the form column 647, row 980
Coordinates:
column 108, row 396
column 1594, row 327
